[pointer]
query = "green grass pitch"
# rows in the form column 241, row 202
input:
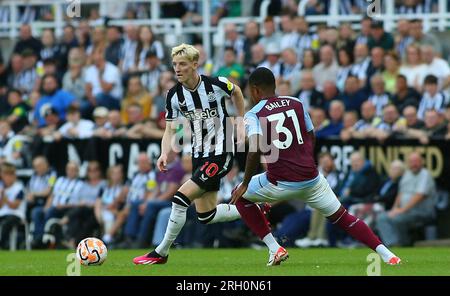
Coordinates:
column 311, row 262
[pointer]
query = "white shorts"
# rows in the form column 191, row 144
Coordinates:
column 318, row 195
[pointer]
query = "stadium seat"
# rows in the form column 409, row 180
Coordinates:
column 14, row 236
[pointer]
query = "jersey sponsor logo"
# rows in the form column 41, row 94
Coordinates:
column 201, row 114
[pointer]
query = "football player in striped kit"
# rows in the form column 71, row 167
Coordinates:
column 201, row 100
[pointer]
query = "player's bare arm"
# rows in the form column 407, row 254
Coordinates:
column 165, row 146
column 238, row 101
column 251, row 165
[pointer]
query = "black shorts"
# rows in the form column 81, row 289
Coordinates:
column 207, row 171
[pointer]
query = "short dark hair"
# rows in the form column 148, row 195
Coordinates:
column 263, row 78
column 430, row 79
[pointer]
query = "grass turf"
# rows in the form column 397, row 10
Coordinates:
column 314, row 262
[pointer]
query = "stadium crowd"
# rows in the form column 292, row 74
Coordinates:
column 109, row 81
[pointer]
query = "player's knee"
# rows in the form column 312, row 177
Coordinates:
column 181, row 199
column 206, row 217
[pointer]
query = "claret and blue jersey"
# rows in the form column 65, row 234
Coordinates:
column 286, row 123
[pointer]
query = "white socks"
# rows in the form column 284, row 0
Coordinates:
column 225, row 213
column 384, row 253
column 271, row 243
column 176, row 223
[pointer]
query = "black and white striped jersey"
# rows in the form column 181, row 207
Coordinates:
column 67, row 191
column 204, row 108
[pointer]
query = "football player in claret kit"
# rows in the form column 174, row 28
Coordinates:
column 201, row 100
column 292, row 173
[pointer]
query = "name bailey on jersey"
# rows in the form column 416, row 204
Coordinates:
column 200, row 114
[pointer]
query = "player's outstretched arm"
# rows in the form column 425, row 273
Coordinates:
column 166, row 146
column 238, row 101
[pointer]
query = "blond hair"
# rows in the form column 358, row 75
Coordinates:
column 186, row 50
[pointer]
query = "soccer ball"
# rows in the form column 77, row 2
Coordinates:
column 91, row 251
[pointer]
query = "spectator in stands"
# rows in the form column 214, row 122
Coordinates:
column 389, row 188
column 147, row 43
column 102, row 127
column 364, row 34
column 272, row 60
column 404, row 95
column 368, row 121
column 379, row 37
column 305, row 40
column 379, row 96
column 402, row 38
column 319, row 119
column 251, row 38
column 327, row 69
column 205, row 65
column 336, row 113
column 362, row 62
column 115, row 124
column 231, row 67
column 376, row 65
column 421, row 38
column 65, row 195
column 284, row 88
column 434, row 127
column 81, row 220
column 330, row 93
column 271, row 35
column 361, row 182
column 103, row 82
column 98, row 41
column 12, row 203
column 136, row 94
column 27, row 41
column 391, row 71
column 257, row 57
column 233, row 40
column 413, row 69
column 17, row 113
column 69, row 41
column 414, row 204
column 128, row 50
column 74, row 80
column 83, row 34
column 167, row 184
column 308, row 92
column 353, row 96
column 436, row 66
column 432, row 97
column 75, row 127
column 49, row 47
column 291, row 69
column 115, row 42
column 346, row 38
column 350, row 119
column 153, row 70
column 317, row 235
column 52, row 124
column 110, row 201
column 40, row 184
column 57, row 98
column 141, row 186
column 391, row 122
column 289, row 33
column 345, row 61
column 412, row 121
column 29, row 77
